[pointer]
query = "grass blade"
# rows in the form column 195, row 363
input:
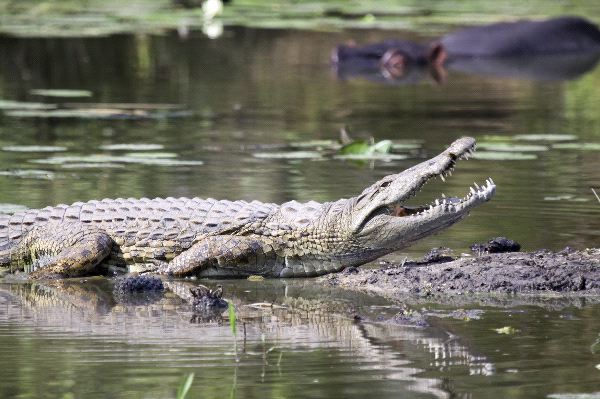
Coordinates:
column 185, row 385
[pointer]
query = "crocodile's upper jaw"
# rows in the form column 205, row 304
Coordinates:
column 383, row 223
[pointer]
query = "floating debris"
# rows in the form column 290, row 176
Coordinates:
column 33, row 148
column 60, row 93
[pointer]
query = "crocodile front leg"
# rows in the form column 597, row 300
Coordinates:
column 63, row 250
column 226, row 255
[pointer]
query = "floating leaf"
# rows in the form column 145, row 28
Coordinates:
column 29, row 174
column 357, row 147
column 14, row 105
column 563, row 197
column 363, row 147
column 506, row 330
column 9, row 209
column 288, row 155
column 315, row 144
column 405, row 146
column 152, row 155
column 33, row 148
column 545, row 137
column 91, row 165
column 512, row 147
column 97, row 113
column 60, row 93
column 98, row 159
column 382, row 147
column 503, row 156
column 132, row 147
column 577, row 146
column 593, row 395
column 373, row 156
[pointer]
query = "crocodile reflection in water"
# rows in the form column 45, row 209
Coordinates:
column 89, row 309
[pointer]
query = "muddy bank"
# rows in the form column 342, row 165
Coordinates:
column 567, row 271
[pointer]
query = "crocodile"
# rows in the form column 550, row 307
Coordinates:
column 220, row 238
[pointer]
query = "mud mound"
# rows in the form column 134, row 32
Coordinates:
column 564, row 271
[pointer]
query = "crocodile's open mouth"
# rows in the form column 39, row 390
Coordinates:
column 476, row 195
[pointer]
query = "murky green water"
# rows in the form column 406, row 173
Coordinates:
column 253, row 92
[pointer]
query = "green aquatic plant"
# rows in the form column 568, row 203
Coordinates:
column 596, row 194
column 185, row 385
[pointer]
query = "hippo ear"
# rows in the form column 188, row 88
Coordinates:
column 437, row 54
column 437, row 57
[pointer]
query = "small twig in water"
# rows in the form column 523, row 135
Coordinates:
column 596, row 194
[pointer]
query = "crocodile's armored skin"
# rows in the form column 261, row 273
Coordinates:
column 206, row 237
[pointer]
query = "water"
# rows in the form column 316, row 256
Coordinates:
column 256, row 91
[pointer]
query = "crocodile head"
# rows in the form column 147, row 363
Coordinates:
column 382, row 223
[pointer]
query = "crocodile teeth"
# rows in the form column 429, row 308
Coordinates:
column 443, row 178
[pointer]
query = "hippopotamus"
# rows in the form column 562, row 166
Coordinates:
column 558, row 48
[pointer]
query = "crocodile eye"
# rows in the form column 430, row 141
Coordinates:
column 385, row 184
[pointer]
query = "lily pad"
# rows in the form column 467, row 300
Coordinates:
column 503, row 156
column 288, row 155
column 91, row 165
column 545, row 137
column 60, row 93
column 577, row 146
column 109, row 159
column 371, row 157
column 29, row 174
column 33, row 148
column 152, row 155
column 406, row 146
column 315, row 144
column 512, row 147
column 9, row 209
column 132, row 147
column 97, row 113
column 14, row 105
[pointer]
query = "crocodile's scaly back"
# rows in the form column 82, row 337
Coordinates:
column 182, row 236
